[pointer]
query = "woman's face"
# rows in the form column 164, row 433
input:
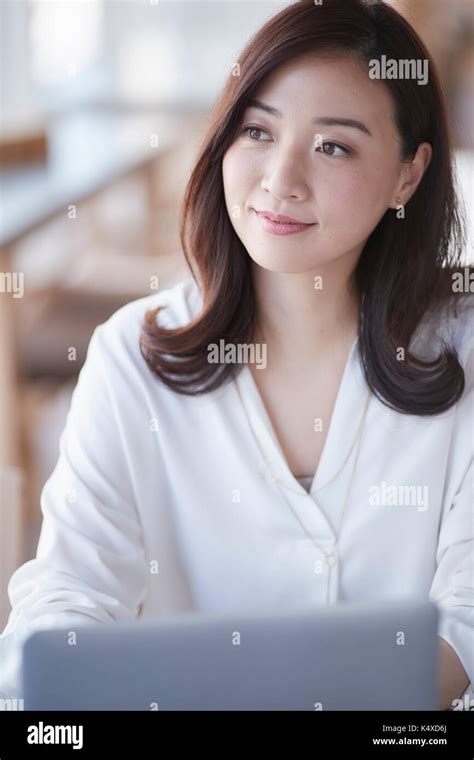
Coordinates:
column 340, row 178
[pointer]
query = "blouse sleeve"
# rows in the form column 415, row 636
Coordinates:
column 453, row 583
column 89, row 566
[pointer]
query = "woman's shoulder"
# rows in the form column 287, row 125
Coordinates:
column 448, row 324
column 460, row 325
column 180, row 303
column 114, row 347
column 456, row 328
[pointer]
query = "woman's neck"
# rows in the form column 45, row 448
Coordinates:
column 303, row 323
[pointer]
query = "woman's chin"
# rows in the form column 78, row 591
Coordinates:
column 288, row 264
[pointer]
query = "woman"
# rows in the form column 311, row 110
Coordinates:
column 291, row 425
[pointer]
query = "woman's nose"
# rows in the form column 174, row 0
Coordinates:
column 285, row 177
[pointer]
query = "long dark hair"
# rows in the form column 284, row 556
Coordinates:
column 405, row 269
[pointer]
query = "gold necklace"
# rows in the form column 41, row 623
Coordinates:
column 274, row 478
column 298, row 491
column 330, row 558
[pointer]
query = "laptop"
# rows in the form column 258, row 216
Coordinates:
column 348, row 657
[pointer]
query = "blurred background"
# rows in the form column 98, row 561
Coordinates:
column 103, row 104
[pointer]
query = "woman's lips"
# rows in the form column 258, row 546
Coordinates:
column 281, row 228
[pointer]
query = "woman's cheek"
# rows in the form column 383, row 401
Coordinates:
column 237, row 175
column 341, row 199
column 361, row 200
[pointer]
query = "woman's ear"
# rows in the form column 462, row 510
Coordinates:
column 412, row 173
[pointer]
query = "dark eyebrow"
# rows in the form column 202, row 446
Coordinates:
column 327, row 121
column 332, row 121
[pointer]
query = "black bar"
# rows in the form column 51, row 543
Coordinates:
column 446, row 734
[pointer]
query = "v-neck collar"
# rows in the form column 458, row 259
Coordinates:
column 340, row 437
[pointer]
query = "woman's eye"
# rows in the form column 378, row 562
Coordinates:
column 329, row 149
column 251, row 130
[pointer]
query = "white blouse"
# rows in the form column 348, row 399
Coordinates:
column 162, row 503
